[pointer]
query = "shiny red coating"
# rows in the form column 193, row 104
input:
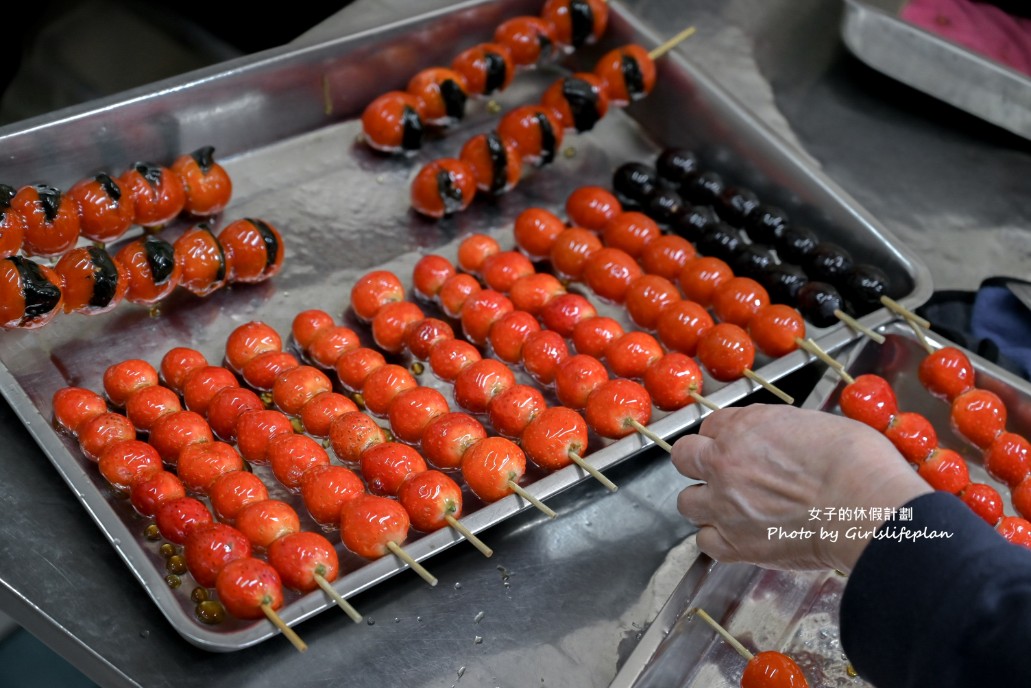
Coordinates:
column 610, row 69
column 225, row 410
column 176, row 518
column 210, row 547
column 630, row 232
column 1015, row 530
column 231, row 492
column 247, row 252
column 772, row 670
column 543, row 353
column 122, row 379
column 248, row 340
column 143, row 289
column 726, row 351
column 43, row 236
column 509, row 334
column 610, row 272
column 666, row 256
column 100, row 432
column 155, row 203
column 374, row 290
column 125, row 463
column 101, row 217
column 555, row 97
column 529, row 39
column 261, row 372
column 322, row 409
column 572, row 250
column 632, row 354
column 512, row 410
column 369, row 522
column 354, row 367
column 776, row 328
column 429, row 275
column 681, row 325
column 671, row 379
column 523, row 125
column 913, row 435
column 535, row 232
column 244, row 586
column 501, row 270
column 474, row 250
column 178, row 363
column 383, row 384
column 947, row 373
column 200, row 464
column 352, row 433
column 738, row 299
column 985, row 501
column 490, row 464
column 292, row 455
column 446, row 439
column 390, row 324
column 300, row 557
column 332, row 343
column 202, row 261
column 576, row 378
column 455, row 291
column 426, row 87
column 945, row 470
column 647, row 297
column 147, row 495
column 613, row 404
column 74, row 406
column 593, row 335
column 591, row 207
column 533, row 292
column 296, row 387
column 1008, row 459
column 208, row 189
column 478, row 384
column 700, row 277
column 449, row 357
column 474, row 65
column 481, row 311
column 264, row 522
column 551, row 436
column 412, row 410
column 201, row 386
column 564, row 312
column 558, row 12
column 383, row 120
column 307, row 324
column 325, row 489
column 256, row 429
column 423, row 334
column 78, row 272
column 443, row 187
column 171, row 433
column 979, row 416
column 476, row 153
column 871, row 400
column 428, row 497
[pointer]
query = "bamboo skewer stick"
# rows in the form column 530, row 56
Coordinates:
column 469, row 535
column 661, row 50
column 858, row 326
column 651, row 435
column 594, row 472
column 541, row 506
column 769, row 386
column 897, row 308
column 731, row 640
column 811, row 346
column 294, row 639
column 338, row 598
column 703, row 401
column 412, row 563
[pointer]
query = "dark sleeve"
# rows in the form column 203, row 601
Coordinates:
column 939, row 612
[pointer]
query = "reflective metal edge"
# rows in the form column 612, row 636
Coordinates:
column 936, row 66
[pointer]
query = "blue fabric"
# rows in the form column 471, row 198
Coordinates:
column 1000, row 316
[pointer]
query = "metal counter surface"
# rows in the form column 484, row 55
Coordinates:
column 569, row 600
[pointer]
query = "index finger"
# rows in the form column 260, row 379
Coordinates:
column 688, row 456
column 720, row 421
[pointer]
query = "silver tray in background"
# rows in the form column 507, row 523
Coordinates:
column 976, row 84
column 791, row 611
column 283, row 123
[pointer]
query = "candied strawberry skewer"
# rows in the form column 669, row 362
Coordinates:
column 306, row 560
column 251, row 588
column 762, row 667
column 372, row 525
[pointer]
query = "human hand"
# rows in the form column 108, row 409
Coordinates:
column 767, row 467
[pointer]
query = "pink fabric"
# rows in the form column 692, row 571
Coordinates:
column 983, row 28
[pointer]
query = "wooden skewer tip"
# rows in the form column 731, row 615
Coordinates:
column 412, row 563
column 769, row 387
column 592, row 471
column 541, row 506
column 834, row 364
column 858, row 326
column 288, row 632
column 469, row 535
column 704, row 401
column 668, row 45
column 731, row 640
column 338, row 598
column 893, row 305
column 650, row 435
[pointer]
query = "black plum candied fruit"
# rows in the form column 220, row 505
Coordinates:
column 737, row 204
column 693, row 223
column 634, row 183
column 752, row 260
column 765, row 223
column 720, row 241
column 783, row 281
column 817, row 301
column 677, row 166
column 665, row 207
column 828, row 262
column 705, row 189
column 863, row 286
column 794, row 243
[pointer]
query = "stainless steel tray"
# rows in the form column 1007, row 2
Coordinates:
column 873, row 31
column 797, row 612
column 283, row 123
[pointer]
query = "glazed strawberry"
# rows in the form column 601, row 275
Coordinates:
column 576, row 378
column 647, row 297
column 147, row 495
column 325, row 489
column 178, row 363
column 369, row 522
column 871, row 400
column 264, row 522
column 738, row 299
column 478, row 384
column 628, row 72
column 393, row 122
column 610, row 272
column 913, row 435
column 1008, row 459
column 580, row 99
column 300, row 557
column 449, row 357
column 373, row 291
column 246, row 586
column 630, row 232
column 128, row 462
column 563, row 313
column 105, row 211
column 422, row 335
column 447, row 437
column 455, row 291
column 412, row 410
column 352, row 433
column 429, row 497
column 592, row 336
column 330, row 344
column 612, row 407
column 176, row 518
column 254, row 250
column 553, row 435
column 92, row 281
column 227, row 406
column 681, row 325
column 775, row 329
column 576, row 22
column 666, row 256
column 206, row 183
column 202, row 261
column 726, row 351
column 307, row 324
column 390, row 324
column 209, row 548
column 979, row 416
column 296, row 387
column 74, row 406
column 508, row 335
column 51, row 220
column 474, row 250
column 529, row 39
column 536, row 130
column 985, row 501
column 535, row 232
column 292, row 455
column 533, row 292
column 383, row 384
column 354, row 367
column 256, row 429
column 481, row 311
column 947, row 373
column 487, row 68
column 671, row 379
column 773, row 670
column 157, row 193
column 701, row 276
column 1015, row 530
column 200, row 464
column 171, row 433
column 442, row 92
column 501, row 270
column 543, row 352
column 322, row 409
column 231, row 492
column 1022, row 497
column 512, row 410
column 153, row 272
column 592, row 207
column 261, row 372
column 201, row 386
column 632, row 354
column 490, row 465
column 102, row 431
column 945, row 470
column 122, row 379
column 572, row 250
column 429, row 275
